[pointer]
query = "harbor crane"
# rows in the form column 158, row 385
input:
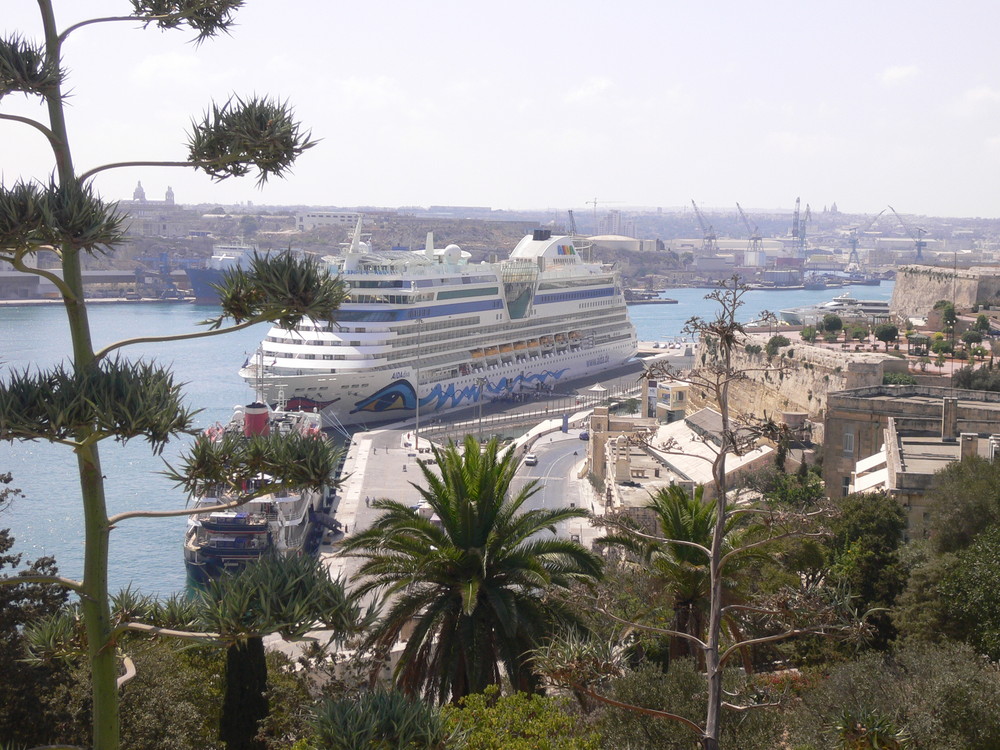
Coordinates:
column 799, row 222
column 916, row 234
column 853, row 260
column 756, row 241
column 708, row 244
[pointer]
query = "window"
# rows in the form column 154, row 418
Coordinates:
column 848, row 445
column 845, row 485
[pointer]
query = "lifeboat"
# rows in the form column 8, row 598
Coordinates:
column 546, row 340
column 504, row 348
column 519, row 345
column 560, row 338
column 492, row 351
column 477, row 353
column 574, row 336
column 532, row 343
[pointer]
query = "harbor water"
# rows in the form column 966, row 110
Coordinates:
column 146, row 553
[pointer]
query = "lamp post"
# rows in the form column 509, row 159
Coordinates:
column 416, row 389
column 481, row 383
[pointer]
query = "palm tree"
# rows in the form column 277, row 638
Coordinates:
column 473, row 584
column 685, row 523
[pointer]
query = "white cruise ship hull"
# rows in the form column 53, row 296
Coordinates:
column 428, row 325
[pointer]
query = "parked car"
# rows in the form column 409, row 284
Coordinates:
column 531, row 460
column 584, row 435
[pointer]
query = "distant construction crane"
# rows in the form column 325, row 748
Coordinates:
column 708, row 238
column 916, row 234
column 572, row 223
column 756, row 241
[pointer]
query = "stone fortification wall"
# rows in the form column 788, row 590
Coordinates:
column 919, row 287
column 797, row 378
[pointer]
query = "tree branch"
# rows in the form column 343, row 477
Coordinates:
column 33, row 123
column 18, row 262
column 141, row 627
column 653, row 537
column 654, row 629
column 121, row 164
column 639, row 709
column 68, row 583
column 817, row 630
column 176, row 337
column 181, row 512
column 734, row 707
column 129, row 672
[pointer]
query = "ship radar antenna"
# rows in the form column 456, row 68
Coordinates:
column 356, row 239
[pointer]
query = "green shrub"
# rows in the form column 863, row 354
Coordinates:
column 776, row 342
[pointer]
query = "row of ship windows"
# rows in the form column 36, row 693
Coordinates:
column 484, row 338
column 292, row 371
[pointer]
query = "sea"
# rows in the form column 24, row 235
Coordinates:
column 146, row 554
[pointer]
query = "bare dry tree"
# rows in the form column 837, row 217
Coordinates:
column 809, row 608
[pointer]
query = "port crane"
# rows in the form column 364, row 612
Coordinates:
column 853, row 260
column 916, row 234
column 799, row 222
column 756, row 241
column 708, row 244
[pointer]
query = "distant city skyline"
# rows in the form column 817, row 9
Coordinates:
column 553, row 105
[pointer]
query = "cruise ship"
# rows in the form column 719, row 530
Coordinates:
column 429, row 327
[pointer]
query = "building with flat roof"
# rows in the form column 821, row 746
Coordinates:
column 856, row 420
column 636, row 456
column 312, row 219
column 905, row 468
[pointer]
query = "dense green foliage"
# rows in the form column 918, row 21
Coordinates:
column 898, row 378
column 942, row 697
column 982, row 378
column 489, row 721
column 681, row 691
column 380, row 719
column 886, row 333
column 774, row 343
column 480, row 577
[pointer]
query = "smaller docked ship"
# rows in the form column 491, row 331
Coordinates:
column 224, row 257
column 279, row 523
column 843, row 305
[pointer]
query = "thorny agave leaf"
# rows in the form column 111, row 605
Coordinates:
column 24, row 68
column 70, row 214
column 243, row 134
column 207, row 17
column 287, row 595
column 79, row 218
column 58, row 637
column 256, row 465
column 115, row 398
column 23, row 217
column 281, row 288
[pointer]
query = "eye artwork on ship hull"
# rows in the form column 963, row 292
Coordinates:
column 401, row 394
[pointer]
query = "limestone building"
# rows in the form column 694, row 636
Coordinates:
column 856, row 422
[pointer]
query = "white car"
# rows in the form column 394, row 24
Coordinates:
column 531, row 460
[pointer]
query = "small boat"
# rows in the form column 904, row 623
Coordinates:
column 477, row 353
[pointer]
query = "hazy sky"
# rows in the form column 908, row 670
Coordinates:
column 552, row 104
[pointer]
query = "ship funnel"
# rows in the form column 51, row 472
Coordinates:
column 255, row 420
column 429, row 246
column 541, row 234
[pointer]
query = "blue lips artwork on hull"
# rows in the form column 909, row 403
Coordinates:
column 400, row 395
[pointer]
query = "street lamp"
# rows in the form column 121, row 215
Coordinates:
column 481, row 384
column 416, row 426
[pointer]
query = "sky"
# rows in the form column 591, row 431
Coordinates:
column 550, row 104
